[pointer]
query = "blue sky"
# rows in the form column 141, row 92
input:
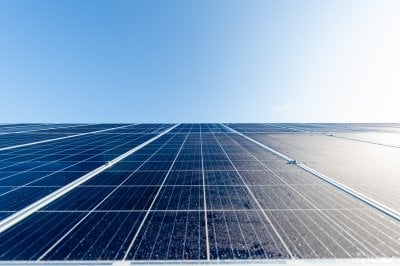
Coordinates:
column 199, row 61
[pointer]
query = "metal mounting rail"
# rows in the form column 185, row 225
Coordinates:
column 371, row 202
column 27, row 211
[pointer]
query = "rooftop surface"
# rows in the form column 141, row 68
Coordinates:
column 226, row 193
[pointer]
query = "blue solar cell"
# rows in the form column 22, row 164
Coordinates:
column 228, row 178
column 109, row 178
column 261, row 177
column 192, row 178
column 130, row 198
column 187, row 165
column 154, row 177
column 229, row 197
column 180, row 198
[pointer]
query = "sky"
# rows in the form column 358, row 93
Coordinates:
column 199, row 61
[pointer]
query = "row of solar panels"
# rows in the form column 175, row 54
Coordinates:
column 193, row 192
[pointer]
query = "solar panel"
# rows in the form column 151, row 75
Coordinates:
column 30, row 173
column 188, row 192
column 367, row 167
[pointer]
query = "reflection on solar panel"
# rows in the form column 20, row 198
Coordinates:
column 196, row 192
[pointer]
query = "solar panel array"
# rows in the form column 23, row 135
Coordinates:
column 181, row 192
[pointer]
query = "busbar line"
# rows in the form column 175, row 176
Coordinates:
column 367, row 200
column 27, row 211
column 204, row 196
column 61, row 138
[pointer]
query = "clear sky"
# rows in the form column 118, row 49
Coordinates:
column 200, row 61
